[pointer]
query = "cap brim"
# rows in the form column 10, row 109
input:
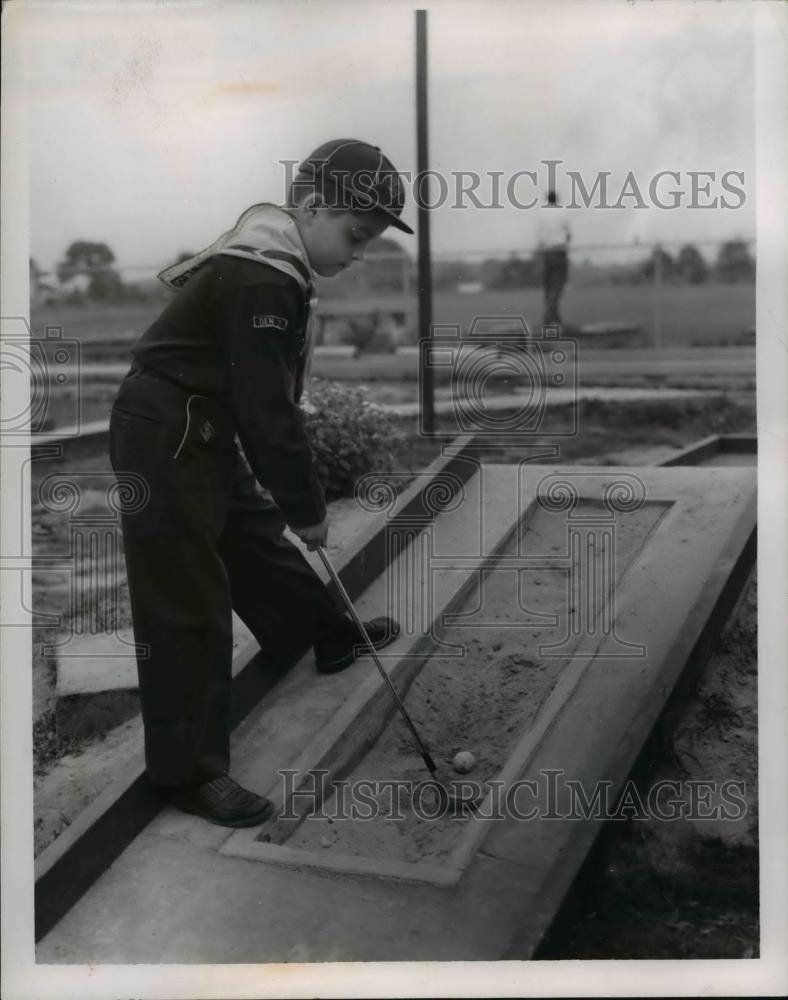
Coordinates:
column 374, row 206
column 394, row 220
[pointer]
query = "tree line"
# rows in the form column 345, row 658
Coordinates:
column 733, row 263
column 87, row 271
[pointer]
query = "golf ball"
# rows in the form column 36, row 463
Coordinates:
column 463, row 762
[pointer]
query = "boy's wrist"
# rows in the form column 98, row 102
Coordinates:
column 304, row 517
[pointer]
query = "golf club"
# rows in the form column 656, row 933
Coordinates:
column 448, row 795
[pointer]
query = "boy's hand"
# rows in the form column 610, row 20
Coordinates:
column 313, row 536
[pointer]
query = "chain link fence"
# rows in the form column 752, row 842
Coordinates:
column 688, row 293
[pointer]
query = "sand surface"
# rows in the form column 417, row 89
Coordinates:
column 484, row 701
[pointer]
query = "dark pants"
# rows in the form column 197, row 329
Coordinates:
column 555, row 269
column 200, row 540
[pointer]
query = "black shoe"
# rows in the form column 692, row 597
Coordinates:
column 333, row 655
column 224, row 802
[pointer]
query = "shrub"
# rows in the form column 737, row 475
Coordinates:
column 350, row 435
column 384, row 341
column 361, row 330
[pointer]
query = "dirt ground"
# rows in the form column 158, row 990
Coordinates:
column 687, row 888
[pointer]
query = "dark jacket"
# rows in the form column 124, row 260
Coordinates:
column 236, row 331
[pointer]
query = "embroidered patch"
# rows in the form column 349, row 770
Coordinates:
column 207, row 431
column 278, row 322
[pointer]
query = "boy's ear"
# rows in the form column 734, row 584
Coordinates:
column 312, row 202
column 307, row 204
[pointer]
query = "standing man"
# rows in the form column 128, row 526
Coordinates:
column 554, row 236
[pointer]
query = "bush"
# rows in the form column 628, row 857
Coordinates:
column 350, row 436
column 384, row 341
column 361, row 330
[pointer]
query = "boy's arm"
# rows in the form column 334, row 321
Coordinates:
column 258, row 326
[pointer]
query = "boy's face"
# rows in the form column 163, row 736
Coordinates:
column 335, row 239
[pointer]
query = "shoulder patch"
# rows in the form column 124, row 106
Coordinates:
column 277, row 322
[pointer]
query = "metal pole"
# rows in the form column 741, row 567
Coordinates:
column 658, row 297
column 426, row 391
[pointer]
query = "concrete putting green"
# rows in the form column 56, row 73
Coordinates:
column 547, row 614
column 484, row 697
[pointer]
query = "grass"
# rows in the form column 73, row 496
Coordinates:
column 691, row 314
column 709, row 315
column 91, row 323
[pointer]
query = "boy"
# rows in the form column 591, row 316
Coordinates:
column 225, row 361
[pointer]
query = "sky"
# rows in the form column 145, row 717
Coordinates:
column 153, row 125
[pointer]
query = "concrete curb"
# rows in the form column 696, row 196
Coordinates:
column 734, row 569
column 710, row 447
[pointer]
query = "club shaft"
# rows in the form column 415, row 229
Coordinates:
column 426, row 756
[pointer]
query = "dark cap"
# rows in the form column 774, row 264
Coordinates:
column 364, row 178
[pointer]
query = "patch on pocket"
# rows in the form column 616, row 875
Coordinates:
column 207, row 431
column 277, row 322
